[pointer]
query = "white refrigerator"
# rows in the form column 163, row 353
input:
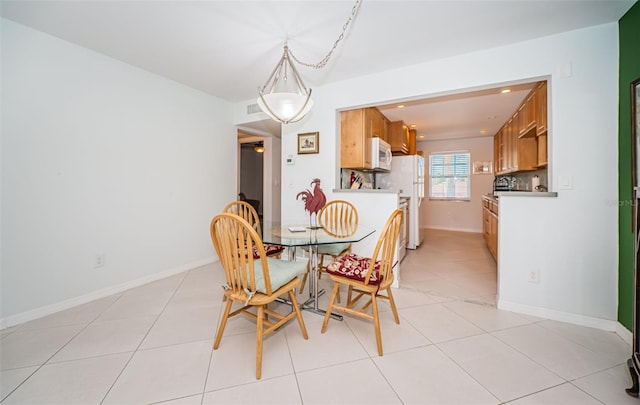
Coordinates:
column 407, row 176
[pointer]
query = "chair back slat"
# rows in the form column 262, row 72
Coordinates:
column 246, row 211
column 338, row 218
column 385, row 249
column 234, row 240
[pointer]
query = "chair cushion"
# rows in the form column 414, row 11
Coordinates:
column 270, row 250
column 280, row 273
column 333, row 249
column 355, row 267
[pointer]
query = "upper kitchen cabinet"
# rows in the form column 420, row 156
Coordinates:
column 541, row 108
column 357, row 127
column 412, row 142
column 541, row 123
column 527, row 117
column 399, row 138
column 521, row 144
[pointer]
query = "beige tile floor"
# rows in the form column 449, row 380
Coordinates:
column 153, row 344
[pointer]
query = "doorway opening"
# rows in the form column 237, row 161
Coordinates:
column 259, row 173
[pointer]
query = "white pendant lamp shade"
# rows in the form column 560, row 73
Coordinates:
column 285, row 107
column 284, row 97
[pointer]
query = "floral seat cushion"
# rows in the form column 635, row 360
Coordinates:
column 270, row 250
column 355, row 267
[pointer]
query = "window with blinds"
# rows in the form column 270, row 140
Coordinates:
column 449, row 176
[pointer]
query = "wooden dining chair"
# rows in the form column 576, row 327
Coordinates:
column 246, row 211
column 337, row 218
column 253, row 282
column 367, row 277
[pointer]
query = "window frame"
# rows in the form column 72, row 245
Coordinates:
column 467, row 198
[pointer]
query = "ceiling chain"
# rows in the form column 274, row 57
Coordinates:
column 325, row 60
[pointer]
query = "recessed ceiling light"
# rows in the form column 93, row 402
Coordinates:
column 400, row 106
column 413, row 126
column 421, row 136
column 483, row 131
column 505, row 91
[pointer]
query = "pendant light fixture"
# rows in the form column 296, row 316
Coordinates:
column 259, row 147
column 284, row 96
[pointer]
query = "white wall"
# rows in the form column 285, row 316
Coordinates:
column 101, row 157
column 579, row 237
column 463, row 216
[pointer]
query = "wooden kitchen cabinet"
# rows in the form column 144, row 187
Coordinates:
column 527, row 125
column 511, row 132
column 497, row 153
column 412, row 141
column 541, row 123
column 399, row 138
column 542, row 150
column 490, row 225
column 519, row 145
column 357, row 127
column 541, row 108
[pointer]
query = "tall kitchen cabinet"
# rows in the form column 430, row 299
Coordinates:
column 357, row 127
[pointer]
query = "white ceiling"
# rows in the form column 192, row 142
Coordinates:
column 228, row 48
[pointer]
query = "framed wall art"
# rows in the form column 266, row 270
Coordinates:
column 308, row 143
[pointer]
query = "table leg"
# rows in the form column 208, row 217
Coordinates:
column 313, row 291
column 311, row 304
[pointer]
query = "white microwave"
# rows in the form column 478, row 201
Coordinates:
column 380, row 154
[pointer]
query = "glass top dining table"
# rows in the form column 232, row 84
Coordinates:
column 288, row 235
column 293, row 236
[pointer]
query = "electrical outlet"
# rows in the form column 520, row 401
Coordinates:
column 98, row 260
column 534, row 277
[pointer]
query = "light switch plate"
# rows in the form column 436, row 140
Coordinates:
column 566, row 182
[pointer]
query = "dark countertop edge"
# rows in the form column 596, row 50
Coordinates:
column 364, row 190
column 525, row 193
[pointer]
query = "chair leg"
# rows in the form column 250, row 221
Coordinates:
column 294, row 304
column 329, row 308
column 259, row 331
column 392, row 302
column 304, row 278
column 223, row 323
column 376, row 322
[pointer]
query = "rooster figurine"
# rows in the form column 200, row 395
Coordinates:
column 313, row 200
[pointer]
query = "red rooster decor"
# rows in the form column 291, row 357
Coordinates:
column 313, row 201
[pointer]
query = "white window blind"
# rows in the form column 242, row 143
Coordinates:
column 449, row 176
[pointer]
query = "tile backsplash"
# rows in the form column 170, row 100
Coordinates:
column 368, row 178
column 524, row 179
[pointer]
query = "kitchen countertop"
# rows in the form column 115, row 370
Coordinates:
column 525, row 194
column 365, row 190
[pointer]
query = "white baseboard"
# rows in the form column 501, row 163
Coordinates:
column 36, row 313
column 576, row 319
column 624, row 333
column 438, row 228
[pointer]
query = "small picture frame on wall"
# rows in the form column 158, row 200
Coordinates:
column 308, row 143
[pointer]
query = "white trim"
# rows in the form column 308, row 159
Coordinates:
column 105, row 292
column 624, row 333
column 452, row 229
column 576, row 319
